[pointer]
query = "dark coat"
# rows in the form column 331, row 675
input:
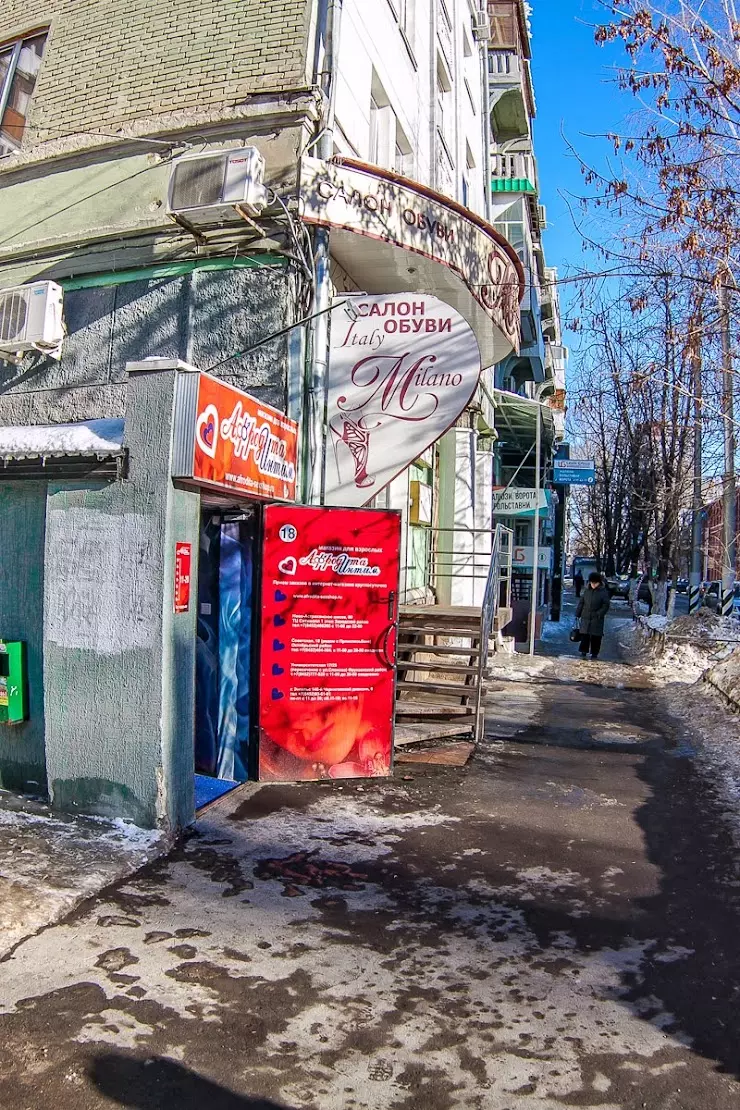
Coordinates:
column 591, row 611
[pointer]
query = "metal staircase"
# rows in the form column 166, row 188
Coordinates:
column 443, row 651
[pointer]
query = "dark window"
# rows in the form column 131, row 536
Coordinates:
column 20, row 62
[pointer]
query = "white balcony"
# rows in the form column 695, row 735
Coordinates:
column 514, row 173
column 504, row 67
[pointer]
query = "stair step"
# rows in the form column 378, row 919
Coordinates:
column 432, row 665
column 410, row 711
column 453, row 689
column 436, row 630
column 439, row 649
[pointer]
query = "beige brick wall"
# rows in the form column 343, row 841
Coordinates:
column 115, row 63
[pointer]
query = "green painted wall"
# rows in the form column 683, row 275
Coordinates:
column 22, row 523
column 120, row 665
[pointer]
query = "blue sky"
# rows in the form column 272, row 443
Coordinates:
column 576, row 98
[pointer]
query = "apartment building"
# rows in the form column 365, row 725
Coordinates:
column 129, row 267
column 530, row 382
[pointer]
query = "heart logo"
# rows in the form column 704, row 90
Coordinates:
column 277, row 694
column 280, row 596
column 278, row 646
column 278, row 621
column 288, row 566
column 206, row 431
column 277, row 669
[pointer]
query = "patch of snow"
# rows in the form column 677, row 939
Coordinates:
column 88, row 437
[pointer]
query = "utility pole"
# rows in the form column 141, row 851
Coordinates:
column 536, row 547
column 728, row 487
column 695, row 578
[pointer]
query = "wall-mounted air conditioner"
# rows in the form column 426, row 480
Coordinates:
column 31, row 320
column 481, row 26
column 217, row 187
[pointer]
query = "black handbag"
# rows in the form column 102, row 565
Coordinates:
column 575, row 635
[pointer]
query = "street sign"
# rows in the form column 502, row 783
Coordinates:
column 513, row 501
column 575, row 472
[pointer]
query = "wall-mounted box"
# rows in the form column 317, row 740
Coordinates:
column 13, row 682
column 421, row 503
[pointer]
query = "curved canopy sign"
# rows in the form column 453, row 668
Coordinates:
column 457, row 255
column 402, row 368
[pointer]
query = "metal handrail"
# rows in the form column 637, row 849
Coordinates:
column 500, row 573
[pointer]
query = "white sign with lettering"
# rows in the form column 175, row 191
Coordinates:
column 513, row 501
column 400, row 373
column 523, row 557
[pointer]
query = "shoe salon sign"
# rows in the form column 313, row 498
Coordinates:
column 402, row 368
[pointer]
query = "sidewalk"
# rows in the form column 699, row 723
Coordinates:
column 553, row 925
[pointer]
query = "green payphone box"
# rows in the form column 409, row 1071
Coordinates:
column 13, row 683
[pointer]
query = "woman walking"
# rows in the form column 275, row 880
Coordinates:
column 591, row 612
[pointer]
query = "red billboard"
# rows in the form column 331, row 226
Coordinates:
column 330, row 580
column 235, row 442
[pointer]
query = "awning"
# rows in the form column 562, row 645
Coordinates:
column 91, row 448
column 393, row 235
column 516, row 421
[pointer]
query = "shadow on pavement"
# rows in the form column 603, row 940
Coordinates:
column 697, row 911
column 159, row 1084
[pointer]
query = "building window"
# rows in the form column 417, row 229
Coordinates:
column 20, row 62
column 383, row 137
column 404, row 11
column 404, row 161
column 465, row 192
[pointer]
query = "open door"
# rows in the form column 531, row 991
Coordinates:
column 330, row 580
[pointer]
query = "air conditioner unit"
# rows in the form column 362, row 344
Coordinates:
column 481, row 26
column 217, row 187
column 31, row 320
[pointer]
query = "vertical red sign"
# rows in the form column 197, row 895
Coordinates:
column 183, row 561
column 330, row 579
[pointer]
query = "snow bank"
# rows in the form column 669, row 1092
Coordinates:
column 50, row 863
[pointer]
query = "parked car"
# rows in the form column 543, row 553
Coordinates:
column 682, row 585
column 618, row 585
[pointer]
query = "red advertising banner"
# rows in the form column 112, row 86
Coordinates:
column 330, row 582
column 242, row 444
column 183, row 564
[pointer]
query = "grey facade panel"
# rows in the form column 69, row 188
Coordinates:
column 203, row 318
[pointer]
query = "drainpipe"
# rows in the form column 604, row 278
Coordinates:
column 486, row 125
column 328, row 29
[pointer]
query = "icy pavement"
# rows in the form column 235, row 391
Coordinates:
column 49, row 864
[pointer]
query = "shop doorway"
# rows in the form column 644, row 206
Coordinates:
column 225, row 697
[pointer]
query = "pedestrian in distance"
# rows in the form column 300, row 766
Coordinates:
column 591, row 612
column 578, row 582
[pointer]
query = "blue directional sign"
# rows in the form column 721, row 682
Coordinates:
column 575, row 472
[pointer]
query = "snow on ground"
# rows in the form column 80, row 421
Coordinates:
column 692, row 644
column 49, row 864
